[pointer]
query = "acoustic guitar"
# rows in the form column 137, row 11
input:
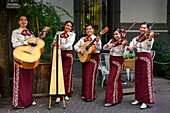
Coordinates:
column 89, row 48
column 28, row 56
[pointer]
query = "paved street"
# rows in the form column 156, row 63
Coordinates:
column 77, row 105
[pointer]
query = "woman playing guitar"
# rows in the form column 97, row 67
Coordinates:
column 66, row 38
column 143, row 66
column 23, row 78
column 116, row 46
column 89, row 69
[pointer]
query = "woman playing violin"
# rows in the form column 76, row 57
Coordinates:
column 143, row 67
column 114, row 92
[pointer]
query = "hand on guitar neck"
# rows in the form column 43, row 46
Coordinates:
column 33, row 41
column 97, row 38
column 42, row 35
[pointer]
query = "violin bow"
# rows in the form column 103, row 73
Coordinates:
column 129, row 29
column 126, row 32
column 131, row 26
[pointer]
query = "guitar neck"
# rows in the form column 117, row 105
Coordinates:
column 92, row 42
column 41, row 34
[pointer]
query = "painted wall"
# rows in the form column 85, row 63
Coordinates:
column 68, row 5
column 143, row 10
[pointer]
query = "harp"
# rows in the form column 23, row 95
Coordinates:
column 57, row 81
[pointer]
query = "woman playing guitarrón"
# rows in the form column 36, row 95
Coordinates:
column 23, row 78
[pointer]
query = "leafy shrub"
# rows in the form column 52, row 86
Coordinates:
column 162, row 49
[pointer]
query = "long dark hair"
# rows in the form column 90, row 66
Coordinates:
column 118, row 30
column 145, row 23
column 65, row 24
column 18, row 19
column 89, row 25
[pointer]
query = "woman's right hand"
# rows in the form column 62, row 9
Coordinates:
column 31, row 41
column 81, row 52
column 131, row 48
column 109, row 45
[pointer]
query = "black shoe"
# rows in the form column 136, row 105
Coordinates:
column 20, row 107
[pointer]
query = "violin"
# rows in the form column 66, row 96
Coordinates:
column 119, row 42
column 146, row 36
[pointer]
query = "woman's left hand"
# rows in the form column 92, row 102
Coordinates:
column 60, row 46
column 42, row 35
column 151, row 35
column 97, row 38
column 124, row 42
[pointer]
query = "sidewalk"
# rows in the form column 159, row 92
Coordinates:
column 77, row 105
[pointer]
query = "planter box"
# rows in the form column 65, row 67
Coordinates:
column 129, row 63
column 41, row 82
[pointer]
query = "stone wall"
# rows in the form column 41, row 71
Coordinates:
column 4, row 61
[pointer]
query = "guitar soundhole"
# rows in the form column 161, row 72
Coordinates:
column 87, row 48
column 33, row 45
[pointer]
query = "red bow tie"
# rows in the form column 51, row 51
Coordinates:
column 87, row 39
column 25, row 33
column 64, row 35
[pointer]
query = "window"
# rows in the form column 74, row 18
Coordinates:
column 93, row 12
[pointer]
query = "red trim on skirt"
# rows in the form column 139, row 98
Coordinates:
column 144, row 78
column 89, row 76
column 67, row 62
column 114, row 91
column 22, row 86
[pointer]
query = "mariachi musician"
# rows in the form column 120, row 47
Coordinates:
column 143, row 66
column 23, row 78
column 89, row 69
column 66, row 38
column 116, row 46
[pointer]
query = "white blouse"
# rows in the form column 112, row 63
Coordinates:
column 144, row 46
column 18, row 39
column 115, row 51
column 67, row 43
column 81, row 42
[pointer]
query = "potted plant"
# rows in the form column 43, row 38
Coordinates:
column 130, row 55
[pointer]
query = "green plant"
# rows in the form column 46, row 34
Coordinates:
column 130, row 55
column 162, row 49
column 39, row 15
column 164, row 58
